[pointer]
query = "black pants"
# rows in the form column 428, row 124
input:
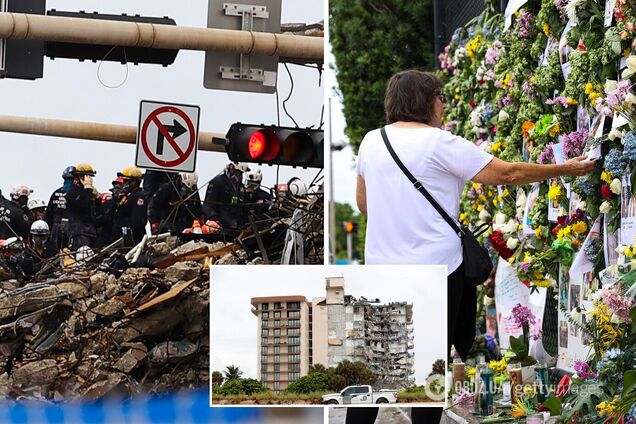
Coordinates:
column 418, row 415
column 462, row 313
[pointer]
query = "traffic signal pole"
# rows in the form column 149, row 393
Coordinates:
column 89, row 130
column 294, row 48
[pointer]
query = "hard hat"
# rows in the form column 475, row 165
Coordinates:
column 20, row 190
column 131, row 172
column 67, row 174
column 189, row 179
column 255, row 176
column 118, row 180
column 36, row 203
column 84, row 169
column 40, row 228
column 297, row 187
column 241, row 166
column 84, row 253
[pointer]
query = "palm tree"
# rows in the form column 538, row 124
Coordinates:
column 232, row 373
column 439, row 367
column 217, row 378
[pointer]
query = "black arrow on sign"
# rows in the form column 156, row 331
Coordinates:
column 176, row 129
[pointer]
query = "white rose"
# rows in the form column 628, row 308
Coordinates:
column 500, row 218
column 512, row 243
column 610, row 85
column 520, row 212
column 631, row 62
column 582, row 206
column 484, row 215
column 630, row 99
column 605, row 207
column 521, row 200
column 562, row 211
column 616, row 186
column 616, row 133
column 620, row 249
column 575, row 314
column 510, row 227
column 503, row 115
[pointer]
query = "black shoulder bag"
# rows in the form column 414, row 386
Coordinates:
column 477, row 263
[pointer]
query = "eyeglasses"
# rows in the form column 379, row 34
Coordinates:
column 442, row 97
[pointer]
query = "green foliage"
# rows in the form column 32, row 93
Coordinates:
column 585, row 398
column 520, row 350
column 372, row 40
column 241, row 386
column 232, row 373
column 355, row 373
column 439, row 367
column 312, row 382
column 217, row 378
column 554, row 405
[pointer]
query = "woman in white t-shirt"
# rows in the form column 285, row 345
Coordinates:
column 402, row 226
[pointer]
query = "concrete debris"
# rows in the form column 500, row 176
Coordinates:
column 183, row 271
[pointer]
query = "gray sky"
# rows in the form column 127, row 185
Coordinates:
column 71, row 90
column 234, row 329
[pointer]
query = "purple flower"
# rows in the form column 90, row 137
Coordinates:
column 524, row 24
column 524, row 265
column 522, row 315
column 547, row 156
column 492, row 55
column 574, row 142
column 583, row 369
column 617, row 303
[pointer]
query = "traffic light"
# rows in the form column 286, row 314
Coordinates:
column 350, row 227
column 95, row 52
column 273, row 145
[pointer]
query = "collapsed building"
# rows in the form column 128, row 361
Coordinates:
column 295, row 333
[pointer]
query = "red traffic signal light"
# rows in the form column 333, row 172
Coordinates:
column 275, row 145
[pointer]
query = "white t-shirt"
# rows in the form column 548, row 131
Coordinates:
column 402, row 226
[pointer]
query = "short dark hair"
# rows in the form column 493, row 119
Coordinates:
column 410, row 96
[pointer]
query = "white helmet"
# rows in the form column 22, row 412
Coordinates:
column 40, row 228
column 242, row 167
column 254, row 177
column 189, row 179
column 36, row 203
column 84, row 253
column 20, row 190
column 297, row 187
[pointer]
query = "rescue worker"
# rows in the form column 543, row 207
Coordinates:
column 56, row 215
column 155, row 179
column 175, row 205
column 38, row 249
column 224, row 196
column 14, row 222
column 37, row 207
column 106, row 231
column 81, row 200
column 132, row 214
column 257, row 201
column 20, row 196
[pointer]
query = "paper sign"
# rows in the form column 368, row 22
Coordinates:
column 531, row 200
column 511, row 8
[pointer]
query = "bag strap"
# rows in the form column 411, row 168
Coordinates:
column 418, row 185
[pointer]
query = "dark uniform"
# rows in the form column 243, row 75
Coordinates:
column 80, row 207
column 165, row 207
column 34, row 260
column 257, row 203
column 132, row 213
column 155, row 179
column 106, row 231
column 57, row 218
column 222, row 201
column 13, row 220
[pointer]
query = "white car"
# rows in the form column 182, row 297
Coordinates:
column 360, row 395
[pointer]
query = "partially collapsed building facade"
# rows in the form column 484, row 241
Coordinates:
column 337, row 327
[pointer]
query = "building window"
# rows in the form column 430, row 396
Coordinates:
column 264, row 349
column 277, row 331
column 264, row 332
column 294, row 358
column 263, row 358
column 293, row 340
column 277, row 314
column 293, row 323
column 293, row 376
column 265, row 315
column 264, row 340
column 277, row 305
column 264, row 323
column 264, row 377
column 276, row 340
column 293, row 305
column 277, row 323
column 276, row 376
column 264, row 306
column 276, row 349
column 293, row 314
column 276, row 358
column 264, row 368
column 294, row 367
column 293, row 349
column 276, row 367
column 276, row 385
column 293, row 331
